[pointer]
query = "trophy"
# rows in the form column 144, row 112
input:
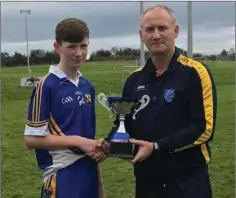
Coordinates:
column 119, row 145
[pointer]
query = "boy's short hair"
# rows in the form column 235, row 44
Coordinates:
column 71, row 30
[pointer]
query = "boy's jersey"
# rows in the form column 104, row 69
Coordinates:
column 60, row 107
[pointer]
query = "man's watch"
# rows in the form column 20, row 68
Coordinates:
column 155, row 147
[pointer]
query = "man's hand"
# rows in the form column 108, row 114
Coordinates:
column 144, row 151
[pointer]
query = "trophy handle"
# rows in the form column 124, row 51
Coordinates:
column 102, row 99
column 144, row 102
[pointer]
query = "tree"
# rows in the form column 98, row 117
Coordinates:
column 5, row 58
column 212, row 57
column 224, row 53
column 197, row 55
column 231, row 52
column 17, row 59
column 114, row 51
column 36, row 56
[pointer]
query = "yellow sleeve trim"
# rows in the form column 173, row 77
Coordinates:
column 54, row 128
column 37, row 100
column 207, row 97
column 139, row 69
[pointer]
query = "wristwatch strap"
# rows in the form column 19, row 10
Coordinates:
column 155, row 147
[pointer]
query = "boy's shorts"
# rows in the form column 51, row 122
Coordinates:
column 79, row 180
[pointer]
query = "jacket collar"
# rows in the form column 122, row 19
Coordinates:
column 150, row 67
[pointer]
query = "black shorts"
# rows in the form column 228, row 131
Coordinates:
column 197, row 186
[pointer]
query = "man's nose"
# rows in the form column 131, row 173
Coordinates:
column 156, row 34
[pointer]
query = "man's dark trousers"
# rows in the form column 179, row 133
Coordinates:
column 197, row 186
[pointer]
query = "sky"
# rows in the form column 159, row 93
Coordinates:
column 114, row 24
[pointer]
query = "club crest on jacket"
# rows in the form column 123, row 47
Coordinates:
column 169, row 94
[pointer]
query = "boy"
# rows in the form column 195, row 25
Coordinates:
column 61, row 121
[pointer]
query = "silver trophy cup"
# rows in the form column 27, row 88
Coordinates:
column 119, row 145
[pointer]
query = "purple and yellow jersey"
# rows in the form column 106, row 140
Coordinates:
column 60, row 106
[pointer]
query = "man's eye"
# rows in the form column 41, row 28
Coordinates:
column 150, row 29
column 162, row 28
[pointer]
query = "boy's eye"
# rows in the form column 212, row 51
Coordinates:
column 84, row 46
column 72, row 46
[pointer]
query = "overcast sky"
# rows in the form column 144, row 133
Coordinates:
column 114, row 24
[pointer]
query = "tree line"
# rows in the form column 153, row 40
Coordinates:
column 36, row 57
column 39, row 56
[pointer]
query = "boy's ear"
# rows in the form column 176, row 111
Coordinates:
column 56, row 46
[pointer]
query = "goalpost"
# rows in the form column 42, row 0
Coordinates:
column 202, row 59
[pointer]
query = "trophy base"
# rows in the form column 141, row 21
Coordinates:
column 123, row 150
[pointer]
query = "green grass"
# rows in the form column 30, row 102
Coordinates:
column 22, row 179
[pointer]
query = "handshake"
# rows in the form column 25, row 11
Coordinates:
column 98, row 149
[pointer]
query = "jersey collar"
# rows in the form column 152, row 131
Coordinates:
column 59, row 73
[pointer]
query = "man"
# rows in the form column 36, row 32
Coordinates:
column 173, row 131
column 61, row 121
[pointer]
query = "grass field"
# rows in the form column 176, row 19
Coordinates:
column 22, row 179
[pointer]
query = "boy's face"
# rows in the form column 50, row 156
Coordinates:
column 72, row 54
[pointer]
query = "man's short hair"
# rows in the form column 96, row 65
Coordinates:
column 163, row 7
column 71, row 30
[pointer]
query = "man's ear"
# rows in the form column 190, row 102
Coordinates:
column 176, row 31
column 140, row 34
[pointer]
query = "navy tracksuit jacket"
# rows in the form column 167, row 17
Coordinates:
column 180, row 117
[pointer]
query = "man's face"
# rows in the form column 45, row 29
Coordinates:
column 158, row 31
column 72, row 54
